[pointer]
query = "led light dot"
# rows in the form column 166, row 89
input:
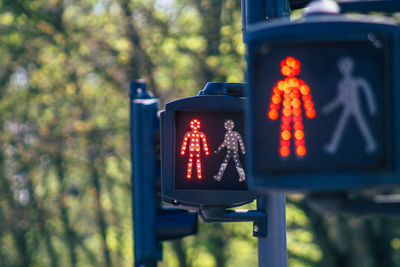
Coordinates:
column 287, row 112
column 290, row 61
column 308, row 104
column 286, row 119
column 285, row 143
column 300, row 142
column 282, row 85
column 273, row 114
column 276, row 99
column 274, row 106
column 301, row 151
column 298, row 126
column 297, row 119
column 299, row 134
column 287, row 103
column 306, row 98
column 286, row 135
column 285, row 151
column 305, row 90
column 310, row 113
column 293, row 82
column 285, row 127
column 286, row 70
column 297, row 111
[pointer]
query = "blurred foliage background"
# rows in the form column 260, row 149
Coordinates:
column 64, row 135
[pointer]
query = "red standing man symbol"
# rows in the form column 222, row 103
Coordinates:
column 194, row 138
column 288, row 93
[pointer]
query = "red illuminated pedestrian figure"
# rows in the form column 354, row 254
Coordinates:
column 291, row 93
column 194, row 138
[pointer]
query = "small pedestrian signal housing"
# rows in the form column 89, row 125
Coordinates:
column 203, row 148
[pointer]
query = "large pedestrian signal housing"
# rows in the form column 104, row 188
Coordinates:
column 203, row 151
column 323, row 103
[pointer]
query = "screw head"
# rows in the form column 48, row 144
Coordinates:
column 256, row 228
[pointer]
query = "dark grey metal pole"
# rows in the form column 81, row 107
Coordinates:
column 272, row 248
column 254, row 11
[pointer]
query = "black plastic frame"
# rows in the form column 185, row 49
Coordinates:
column 323, row 29
column 194, row 199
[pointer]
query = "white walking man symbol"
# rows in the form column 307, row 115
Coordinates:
column 231, row 140
column 348, row 98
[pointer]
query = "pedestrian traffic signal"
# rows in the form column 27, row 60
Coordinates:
column 322, row 110
column 203, row 152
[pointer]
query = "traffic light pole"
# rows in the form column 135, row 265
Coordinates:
column 272, row 248
column 147, row 248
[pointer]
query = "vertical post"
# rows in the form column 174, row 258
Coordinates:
column 254, row 11
column 147, row 247
column 272, row 248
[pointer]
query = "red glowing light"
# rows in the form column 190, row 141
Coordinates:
column 274, row 106
column 273, row 114
column 285, row 151
column 297, row 119
column 194, row 137
column 294, row 92
column 301, row 150
column 286, row 135
column 296, row 103
column 296, row 111
column 310, row 113
column 299, row 134
column 287, row 112
column 305, row 90
column 276, row 99
column 285, row 126
column 286, row 119
column 297, row 126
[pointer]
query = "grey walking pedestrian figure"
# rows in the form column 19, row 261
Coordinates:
column 348, row 98
column 231, row 140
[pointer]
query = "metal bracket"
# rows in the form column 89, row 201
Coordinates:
column 220, row 214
